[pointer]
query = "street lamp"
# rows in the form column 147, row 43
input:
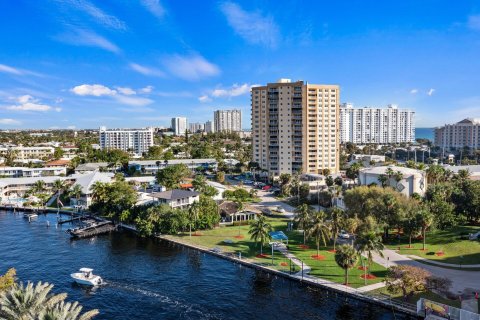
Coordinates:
column 272, row 244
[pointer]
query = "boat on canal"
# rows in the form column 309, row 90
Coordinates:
column 86, row 277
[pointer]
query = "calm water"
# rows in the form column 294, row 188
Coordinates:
column 424, row 133
column 148, row 279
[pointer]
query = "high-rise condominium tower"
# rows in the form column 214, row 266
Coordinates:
column 179, row 125
column 227, row 120
column 376, row 125
column 465, row 133
column 135, row 140
column 295, row 127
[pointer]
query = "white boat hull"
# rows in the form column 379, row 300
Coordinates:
column 92, row 281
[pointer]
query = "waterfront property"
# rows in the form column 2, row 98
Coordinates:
column 17, row 172
column 176, row 198
column 405, row 180
column 86, row 181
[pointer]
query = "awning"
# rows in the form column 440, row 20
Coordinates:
column 278, row 235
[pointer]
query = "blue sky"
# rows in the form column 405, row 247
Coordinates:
column 136, row 63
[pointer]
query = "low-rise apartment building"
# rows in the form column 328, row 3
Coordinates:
column 16, row 172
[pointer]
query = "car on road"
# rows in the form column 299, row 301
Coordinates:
column 280, row 209
column 344, row 234
column 266, row 188
column 247, row 181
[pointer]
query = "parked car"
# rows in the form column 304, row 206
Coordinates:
column 266, row 188
column 248, row 182
column 267, row 211
column 280, row 209
column 344, row 234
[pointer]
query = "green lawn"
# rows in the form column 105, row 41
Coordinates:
column 241, row 242
column 427, row 295
column 455, row 250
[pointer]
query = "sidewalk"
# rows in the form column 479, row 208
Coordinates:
column 443, row 264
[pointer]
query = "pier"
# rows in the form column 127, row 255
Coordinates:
column 93, row 229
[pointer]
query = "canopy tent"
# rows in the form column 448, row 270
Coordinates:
column 278, row 235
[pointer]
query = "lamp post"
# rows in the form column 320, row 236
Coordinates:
column 318, row 195
column 272, row 244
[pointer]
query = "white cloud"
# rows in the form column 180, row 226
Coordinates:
column 8, row 121
column 133, row 101
column 88, row 38
column 251, row 26
column 147, row 89
column 96, row 90
column 28, row 103
column 234, row 91
column 58, row 109
column 147, row 71
column 193, row 67
column 155, row 7
column 71, row 127
column 413, row 91
column 204, row 98
column 97, row 14
column 430, row 92
column 126, row 91
column 8, row 69
column 474, row 22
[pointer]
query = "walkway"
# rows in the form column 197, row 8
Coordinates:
column 443, row 264
column 462, row 280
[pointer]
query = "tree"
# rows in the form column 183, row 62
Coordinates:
column 36, row 302
column 39, row 186
column 425, row 218
column 303, row 218
column 75, row 192
column 336, row 221
column 319, row 229
column 172, row 176
column 398, row 176
column 346, row 258
column 284, row 180
column 154, row 152
column 368, row 243
column 59, row 186
column 193, row 213
column 10, row 156
column 353, row 170
column 411, row 227
column 338, row 181
column 113, row 200
column 58, row 153
column 406, row 279
column 220, row 176
column 7, row 280
column 383, row 179
column 260, row 231
column 199, row 183
column 329, row 181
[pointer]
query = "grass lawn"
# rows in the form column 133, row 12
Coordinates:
column 427, row 295
column 443, row 245
column 236, row 239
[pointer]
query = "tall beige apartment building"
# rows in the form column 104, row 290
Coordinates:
column 295, row 127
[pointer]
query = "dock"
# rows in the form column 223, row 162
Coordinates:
column 92, row 229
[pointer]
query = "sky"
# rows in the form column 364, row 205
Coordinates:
column 136, row 63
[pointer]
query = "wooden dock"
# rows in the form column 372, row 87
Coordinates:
column 93, row 229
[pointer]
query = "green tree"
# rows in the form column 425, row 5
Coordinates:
column 336, row 222
column 75, row 192
column 329, row 181
column 260, row 231
column 368, row 243
column 220, row 176
column 58, row 153
column 383, row 179
column 303, row 218
column 172, row 176
column 346, row 258
column 353, row 170
column 193, row 214
column 113, row 200
column 319, row 229
column 406, row 279
column 7, row 280
column 425, row 219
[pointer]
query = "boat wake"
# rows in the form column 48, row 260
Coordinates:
column 184, row 309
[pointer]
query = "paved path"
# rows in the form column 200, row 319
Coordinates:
column 443, row 264
column 462, row 280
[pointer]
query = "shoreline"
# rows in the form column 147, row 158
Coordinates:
column 347, row 291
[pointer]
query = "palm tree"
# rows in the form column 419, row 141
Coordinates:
column 336, row 221
column 367, row 243
column 193, row 213
column 158, row 162
column 383, row 179
column 346, row 258
column 319, row 229
column 36, row 302
column 398, row 176
column 58, row 187
column 98, row 191
column 76, row 192
column 39, row 186
column 260, row 231
column 425, row 219
column 303, row 218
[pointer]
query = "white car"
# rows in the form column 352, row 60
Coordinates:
column 344, row 235
column 280, row 209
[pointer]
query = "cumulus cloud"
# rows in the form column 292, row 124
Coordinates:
column 204, row 98
column 126, row 91
column 147, row 89
column 96, row 90
column 474, row 22
column 80, row 37
column 430, row 92
column 9, row 122
column 192, row 67
column 413, row 91
column 28, row 103
column 147, row 71
column 253, row 27
column 123, row 95
column 155, row 7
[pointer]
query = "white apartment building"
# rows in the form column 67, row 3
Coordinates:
column 196, row 127
column 28, row 153
column 179, row 125
column 465, row 133
column 209, row 128
column 227, row 120
column 376, row 125
column 134, row 140
column 16, row 172
column 295, row 127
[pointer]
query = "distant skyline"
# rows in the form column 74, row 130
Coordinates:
column 84, row 63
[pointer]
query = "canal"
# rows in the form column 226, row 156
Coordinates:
column 151, row 279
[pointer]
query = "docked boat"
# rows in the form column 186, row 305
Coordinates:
column 86, row 277
column 31, row 215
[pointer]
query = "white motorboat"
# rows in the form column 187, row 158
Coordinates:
column 31, row 215
column 86, row 277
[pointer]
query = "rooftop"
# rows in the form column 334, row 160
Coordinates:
column 407, row 172
column 174, row 194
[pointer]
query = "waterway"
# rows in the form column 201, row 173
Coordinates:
column 152, row 279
